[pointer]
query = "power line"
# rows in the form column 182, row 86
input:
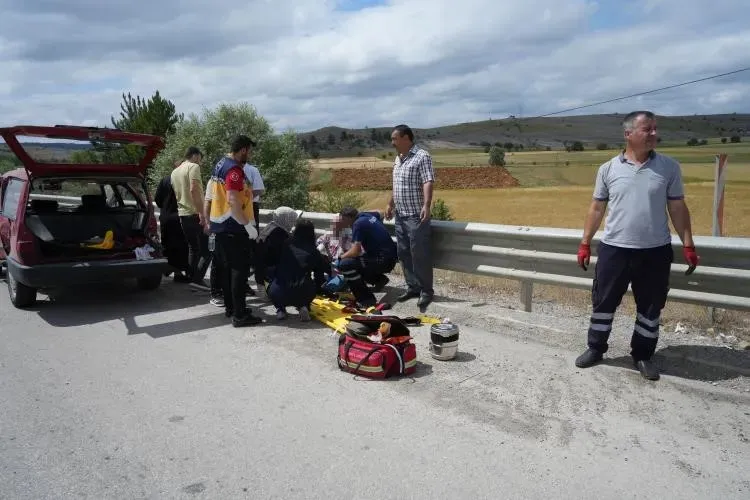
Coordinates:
column 644, row 93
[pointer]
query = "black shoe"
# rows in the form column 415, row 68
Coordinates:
column 589, row 358
column 247, row 320
column 381, row 282
column 409, row 294
column 647, row 368
column 424, row 301
column 181, row 278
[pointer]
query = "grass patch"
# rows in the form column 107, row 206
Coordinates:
column 566, row 206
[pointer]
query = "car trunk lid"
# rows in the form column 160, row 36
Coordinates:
column 112, row 151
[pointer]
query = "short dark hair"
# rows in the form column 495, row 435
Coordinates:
column 630, row 118
column 404, row 130
column 192, row 150
column 304, row 232
column 349, row 212
column 241, row 142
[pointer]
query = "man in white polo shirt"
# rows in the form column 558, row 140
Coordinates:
column 256, row 180
column 640, row 186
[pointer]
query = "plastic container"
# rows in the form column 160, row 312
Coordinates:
column 444, row 341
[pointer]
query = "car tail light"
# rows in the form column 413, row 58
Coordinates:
column 26, row 249
column 153, row 228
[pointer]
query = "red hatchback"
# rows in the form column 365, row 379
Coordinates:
column 86, row 218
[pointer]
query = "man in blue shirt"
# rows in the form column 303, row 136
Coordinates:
column 373, row 253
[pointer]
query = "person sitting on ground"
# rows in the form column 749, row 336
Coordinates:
column 373, row 254
column 333, row 245
column 293, row 284
column 270, row 242
column 336, row 242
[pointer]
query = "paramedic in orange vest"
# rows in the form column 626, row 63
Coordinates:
column 231, row 211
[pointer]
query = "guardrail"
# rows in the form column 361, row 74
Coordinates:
column 548, row 256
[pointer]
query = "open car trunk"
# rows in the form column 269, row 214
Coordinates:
column 107, row 220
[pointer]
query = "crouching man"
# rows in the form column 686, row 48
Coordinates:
column 372, row 255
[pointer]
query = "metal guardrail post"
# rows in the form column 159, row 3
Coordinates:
column 527, row 293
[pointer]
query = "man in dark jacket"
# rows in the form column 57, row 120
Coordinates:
column 373, row 253
column 172, row 237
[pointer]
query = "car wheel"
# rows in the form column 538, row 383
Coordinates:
column 149, row 282
column 20, row 295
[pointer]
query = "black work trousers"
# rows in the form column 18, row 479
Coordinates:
column 359, row 271
column 199, row 258
column 233, row 250
column 647, row 272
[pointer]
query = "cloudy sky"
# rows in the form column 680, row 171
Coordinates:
column 310, row 63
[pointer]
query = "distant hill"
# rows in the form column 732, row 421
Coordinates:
column 531, row 133
column 525, row 133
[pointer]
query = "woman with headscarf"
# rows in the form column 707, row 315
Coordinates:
column 270, row 242
column 294, row 285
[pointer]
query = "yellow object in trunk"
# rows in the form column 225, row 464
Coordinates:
column 106, row 244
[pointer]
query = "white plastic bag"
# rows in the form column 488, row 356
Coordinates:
column 251, row 230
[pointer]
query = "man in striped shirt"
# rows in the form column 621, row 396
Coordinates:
column 411, row 203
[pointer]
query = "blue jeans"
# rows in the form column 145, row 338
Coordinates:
column 413, row 241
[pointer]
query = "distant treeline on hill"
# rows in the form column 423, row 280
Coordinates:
column 518, row 134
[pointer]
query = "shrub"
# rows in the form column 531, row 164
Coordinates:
column 497, row 156
column 440, row 210
column 280, row 158
column 331, row 199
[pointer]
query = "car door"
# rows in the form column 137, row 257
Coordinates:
column 10, row 197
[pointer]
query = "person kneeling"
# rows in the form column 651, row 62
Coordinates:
column 372, row 255
column 293, row 284
column 270, row 244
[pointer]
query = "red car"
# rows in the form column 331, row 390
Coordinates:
column 86, row 218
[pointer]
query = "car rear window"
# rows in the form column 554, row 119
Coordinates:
column 103, row 194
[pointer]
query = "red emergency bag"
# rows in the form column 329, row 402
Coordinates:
column 396, row 355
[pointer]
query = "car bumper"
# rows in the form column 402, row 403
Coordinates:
column 75, row 273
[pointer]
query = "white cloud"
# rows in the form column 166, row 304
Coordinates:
column 304, row 64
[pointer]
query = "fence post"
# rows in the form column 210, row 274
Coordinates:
column 527, row 291
column 718, row 208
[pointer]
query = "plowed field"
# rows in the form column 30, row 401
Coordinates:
column 378, row 179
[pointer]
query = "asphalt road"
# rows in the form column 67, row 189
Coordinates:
column 124, row 394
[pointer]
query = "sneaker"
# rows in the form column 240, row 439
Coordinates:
column 304, row 314
column 217, row 301
column 247, row 320
column 281, row 314
column 590, row 357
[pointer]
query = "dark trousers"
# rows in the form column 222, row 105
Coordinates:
column 175, row 245
column 647, row 272
column 199, row 257
column 233, row 250
column 415, row 253
column 216, row 276
column 359, row 271
column 301, row 296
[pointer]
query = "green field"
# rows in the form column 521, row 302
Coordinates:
column 556, row 187
column 560, row 168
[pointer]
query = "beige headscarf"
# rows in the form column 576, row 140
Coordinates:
column 286, row 218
